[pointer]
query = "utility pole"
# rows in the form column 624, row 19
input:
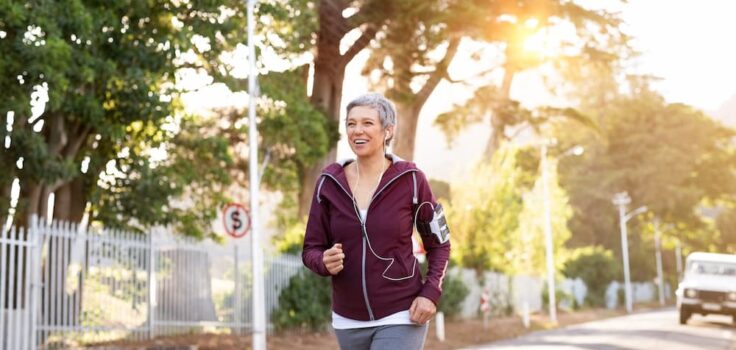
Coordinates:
column 678, row 258
column 658, row 257
column 621, row 200
column 259, row 301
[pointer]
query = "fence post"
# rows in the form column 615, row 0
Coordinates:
column 3, row 277
column 151, row 287
column 238, row 293
column 35, row 267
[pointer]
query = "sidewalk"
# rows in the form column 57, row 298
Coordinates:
column 470, row 332
column 460, row 333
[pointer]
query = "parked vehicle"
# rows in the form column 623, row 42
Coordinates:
column 708, row 286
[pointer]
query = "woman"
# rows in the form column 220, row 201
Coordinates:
column 359, row 232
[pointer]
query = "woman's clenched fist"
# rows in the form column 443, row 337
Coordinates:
column 332, row 258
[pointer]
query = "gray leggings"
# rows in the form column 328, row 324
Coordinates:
column 391, row 337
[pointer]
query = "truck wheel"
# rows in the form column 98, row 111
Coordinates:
column 684, row 316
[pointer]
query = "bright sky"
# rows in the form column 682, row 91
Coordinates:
column 690, row 44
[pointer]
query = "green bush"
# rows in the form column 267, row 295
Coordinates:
column 454, row 292
column 560, row 296
column 292, row 239
column 597, row 267
column 304, row 303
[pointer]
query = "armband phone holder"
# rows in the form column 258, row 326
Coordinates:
column 437, row 227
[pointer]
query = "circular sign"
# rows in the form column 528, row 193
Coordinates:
column 236, row 219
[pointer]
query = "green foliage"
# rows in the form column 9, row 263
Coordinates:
column 484, row 213
column 149, row 193
column 292, row 239
column 529, row 248
column 640, row 150
column 726, row 224
column 304, row 303
column 111, row 72
column 560, row 297
column 454, row 293
column 298, row 133
column 597, row 267
column 294, row 23
column 502, row 223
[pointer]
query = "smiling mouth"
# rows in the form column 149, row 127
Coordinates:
column 360, row 142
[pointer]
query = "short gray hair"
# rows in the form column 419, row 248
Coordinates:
column 382, row 105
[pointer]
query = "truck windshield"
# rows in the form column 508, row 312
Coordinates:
column 712, row 268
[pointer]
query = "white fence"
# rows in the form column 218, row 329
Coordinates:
column 509, row 294
column 63, row 286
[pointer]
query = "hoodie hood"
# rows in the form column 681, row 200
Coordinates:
column 337, row 171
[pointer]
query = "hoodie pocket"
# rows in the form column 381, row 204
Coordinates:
column 400, row 269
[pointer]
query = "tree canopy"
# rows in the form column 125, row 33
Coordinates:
column 113, row 139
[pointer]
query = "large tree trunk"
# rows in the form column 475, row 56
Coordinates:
column 29, row 201
column 70, row 201
column 5, row 190
column 329, row 72
column 498, row 127
column 408, row 110
column 407, row 119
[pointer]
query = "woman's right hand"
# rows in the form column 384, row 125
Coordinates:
column 332, row 258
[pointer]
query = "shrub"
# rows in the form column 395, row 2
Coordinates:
column 454, row 293
column 560, row 296
column 292, row 239
column 597, row 267
column 304, row 303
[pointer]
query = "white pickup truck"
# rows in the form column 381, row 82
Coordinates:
column 708, row 286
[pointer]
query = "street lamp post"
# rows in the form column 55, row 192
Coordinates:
column 621, row 200
column 577, row 150
column 548, row 239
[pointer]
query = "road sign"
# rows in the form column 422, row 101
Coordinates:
column 236, row 219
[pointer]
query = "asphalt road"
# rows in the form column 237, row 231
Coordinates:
column 657, row 330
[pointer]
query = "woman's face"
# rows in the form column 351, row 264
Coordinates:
column 366, row 135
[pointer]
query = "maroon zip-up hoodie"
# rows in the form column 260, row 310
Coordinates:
column 381, row 275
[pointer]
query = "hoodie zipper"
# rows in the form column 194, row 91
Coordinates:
column 364, row 230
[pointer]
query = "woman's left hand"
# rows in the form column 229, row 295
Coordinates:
column 422, row 310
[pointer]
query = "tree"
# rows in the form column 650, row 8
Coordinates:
column 112, row 74
column 640, row 150
column 520, row 28
column 327, row 24
column 110, row 71
column 597, row 268
column 484, row 212
column 530, row 246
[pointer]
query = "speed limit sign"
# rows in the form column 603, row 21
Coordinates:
column 236, row 219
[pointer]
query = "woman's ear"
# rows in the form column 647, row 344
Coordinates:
column 388, row 133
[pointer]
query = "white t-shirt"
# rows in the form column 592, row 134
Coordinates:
column 401, row 317
column 340, row 322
